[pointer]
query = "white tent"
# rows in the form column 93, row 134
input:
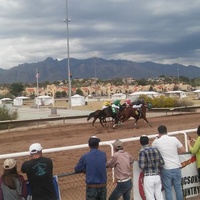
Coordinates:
column 135, row 95
column 5, row 100
column 197, row 92
column 18, row 101
column 178, row 93
column 77, row 100
column 44, row 100
column 118, row 96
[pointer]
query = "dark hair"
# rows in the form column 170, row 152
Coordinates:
column 144, row 140
column 93, row 142
column 8, row 177
column 198, row 130
column 162, row 129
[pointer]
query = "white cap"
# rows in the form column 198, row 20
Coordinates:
column 35, row 148
column 9, row 163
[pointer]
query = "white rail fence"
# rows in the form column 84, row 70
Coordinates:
column 67, row 148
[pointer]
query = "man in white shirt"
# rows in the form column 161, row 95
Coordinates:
column 169, row 148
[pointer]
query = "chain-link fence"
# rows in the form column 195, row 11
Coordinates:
column 72, row 186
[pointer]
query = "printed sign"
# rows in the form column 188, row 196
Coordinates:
column 190, row 181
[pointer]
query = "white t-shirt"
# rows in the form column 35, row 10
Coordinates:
column 168, row 147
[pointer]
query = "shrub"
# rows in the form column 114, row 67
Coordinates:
column 7, row 114
column 166, row 102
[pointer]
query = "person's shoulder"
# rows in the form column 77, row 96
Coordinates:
column 174, row 138
column 156, row 141
column 47, row 159
column 87, row 154
column 26, row 162
column 102, row 152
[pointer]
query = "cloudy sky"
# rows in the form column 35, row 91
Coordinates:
column 162, row 31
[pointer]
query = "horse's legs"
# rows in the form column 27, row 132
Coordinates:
column 104, row 121
column 145, row 119
column 136, row 120
column 116, row 119
column 95, row 118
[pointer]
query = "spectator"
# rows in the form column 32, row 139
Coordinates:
column 93, row 164
column 169, row 148
column 122, row 163
column 39, row 171
column 195, row 149
column 12, row 185
column 151, row 161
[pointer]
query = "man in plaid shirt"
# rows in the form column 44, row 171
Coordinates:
column 150, row 161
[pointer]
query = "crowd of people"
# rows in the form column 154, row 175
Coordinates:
column 159, row 163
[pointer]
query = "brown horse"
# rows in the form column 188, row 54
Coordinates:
column 135, row 113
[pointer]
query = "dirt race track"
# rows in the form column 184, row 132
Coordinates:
column 60, row 135
column 53, row 135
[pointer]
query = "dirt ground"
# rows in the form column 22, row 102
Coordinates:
column 59, row 135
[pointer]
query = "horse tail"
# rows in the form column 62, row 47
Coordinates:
column 90, row 116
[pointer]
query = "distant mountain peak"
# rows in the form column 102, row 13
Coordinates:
column 53, row 70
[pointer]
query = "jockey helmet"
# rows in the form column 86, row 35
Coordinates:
column 116, row 102
column 128, row 101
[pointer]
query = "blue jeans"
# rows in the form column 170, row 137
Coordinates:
column 96, row 193
column 122, row 189
column 172, row 177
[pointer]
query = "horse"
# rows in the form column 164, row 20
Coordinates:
column 105, row 113
column 135, row 113
column 98, row 114
column 108, row 112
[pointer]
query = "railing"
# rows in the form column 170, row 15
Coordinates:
column 72, row 186
column 10, row 123
column 175, row 109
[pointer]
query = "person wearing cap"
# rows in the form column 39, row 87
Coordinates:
column 39, row 171
column 128, row 103
column 106, row 104
column 170, row 148
column 122, row 162
column 93, row 163
column 12, row 184
column 116, row 106
column 150, row 161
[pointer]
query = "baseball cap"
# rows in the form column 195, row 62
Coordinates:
column 35, row 148
column 118, row 144
column 93, row 141
column 9, row 163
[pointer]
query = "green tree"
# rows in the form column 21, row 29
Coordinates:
column 142, row 82
column 16, row 89
column 79, row 91
column 58, row 94
column 64, row 94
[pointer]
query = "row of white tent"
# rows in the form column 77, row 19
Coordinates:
column 77, row 100
column 135, row 95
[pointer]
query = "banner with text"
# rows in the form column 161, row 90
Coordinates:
column 190, row 180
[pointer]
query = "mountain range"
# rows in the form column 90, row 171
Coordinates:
column 53, row 70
